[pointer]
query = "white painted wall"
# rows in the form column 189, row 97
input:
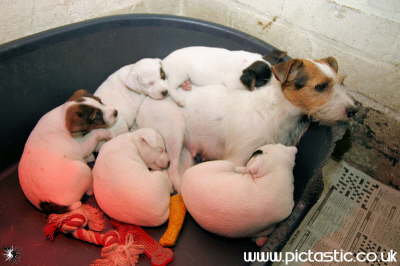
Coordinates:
column 364, row 35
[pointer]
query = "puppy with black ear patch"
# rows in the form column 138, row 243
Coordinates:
column 204, row 66
column 52, row 171
column 256, row 75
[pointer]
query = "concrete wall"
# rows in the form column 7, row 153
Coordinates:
column 364, row 35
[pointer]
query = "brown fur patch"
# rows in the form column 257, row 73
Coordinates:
column 299, row 79
column 78, row 95
column 330, row 61
column 83, row 118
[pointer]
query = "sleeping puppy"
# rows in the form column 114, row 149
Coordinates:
column 242, row 201
column 125, row 90
column 211, row 66
column 52, row 170
column 128, row 182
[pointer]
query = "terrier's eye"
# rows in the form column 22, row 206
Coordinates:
column 321, row 87
column 300, row 82
column 299, row 85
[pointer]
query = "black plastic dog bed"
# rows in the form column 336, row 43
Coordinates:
column 41, row 71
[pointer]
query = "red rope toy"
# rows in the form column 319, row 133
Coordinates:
column 121, row 247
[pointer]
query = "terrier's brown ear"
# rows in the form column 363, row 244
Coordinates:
column 287, row 71
column 275, row 57
column 79, row 94
column 331, row 61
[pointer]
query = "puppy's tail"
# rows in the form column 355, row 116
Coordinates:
column 50, row 207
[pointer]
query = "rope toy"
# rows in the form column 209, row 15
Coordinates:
column 158, row 255
column 71, row 221
column 120, row 254
column 177, row 212
column 119, row 247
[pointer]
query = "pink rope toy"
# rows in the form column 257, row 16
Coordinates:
column 120, row 248
column 158, row 255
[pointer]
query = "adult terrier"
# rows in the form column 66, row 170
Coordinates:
column 221, row 123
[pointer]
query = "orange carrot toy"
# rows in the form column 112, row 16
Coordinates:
column 177, row 212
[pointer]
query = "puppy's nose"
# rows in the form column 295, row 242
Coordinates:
column 164, row 93
column 115, row 113
column 351, row 111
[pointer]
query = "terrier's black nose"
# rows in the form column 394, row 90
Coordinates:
column 115, row 113
column 164, row 93
column 351, row 111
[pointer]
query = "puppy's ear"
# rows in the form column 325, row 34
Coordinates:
column 287, row 71
column 131, row 80
column 148, row 140
column 275, row 57
column 79, row 94
column 83, row 118
column 248, row 78
column 331, row 61
column 143, row 140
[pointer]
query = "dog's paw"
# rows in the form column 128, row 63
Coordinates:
column 103, row 134
column 187, row 85
column 241, row 170
column 180, row 102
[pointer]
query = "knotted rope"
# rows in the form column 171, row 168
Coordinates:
column 119, row 248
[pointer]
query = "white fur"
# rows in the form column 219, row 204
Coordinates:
column 124, row 187
column 336, row 108
column 52, row 167
column 326, row 69
column 241, row 203
column 207, row 66
column 125, row 90
column 220, row 123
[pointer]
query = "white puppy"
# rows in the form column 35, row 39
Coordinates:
column 52, row 171
column 245, row 201
column 126, row 88
column 210, row 65
column 124, row 187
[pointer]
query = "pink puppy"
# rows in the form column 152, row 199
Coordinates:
column 129, row 185
column 242, row 201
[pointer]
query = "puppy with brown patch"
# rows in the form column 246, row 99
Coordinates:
column 52, row 171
